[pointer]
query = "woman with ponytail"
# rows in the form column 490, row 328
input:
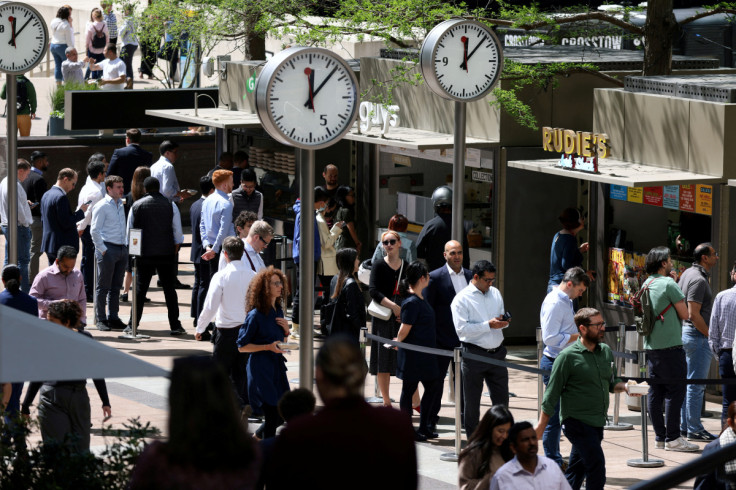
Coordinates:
column 417, row 328
column 349, row 315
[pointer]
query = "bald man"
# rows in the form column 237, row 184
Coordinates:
column 444, row 283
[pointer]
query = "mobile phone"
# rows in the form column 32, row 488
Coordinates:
column 506, row 316
column 34, row 204
column 88, row 203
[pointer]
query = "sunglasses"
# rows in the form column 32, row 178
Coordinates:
column 264, row 241
column 389, row 242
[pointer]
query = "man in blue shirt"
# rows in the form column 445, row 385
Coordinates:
column 557, row 319
column 216, row 220
column 111, row 253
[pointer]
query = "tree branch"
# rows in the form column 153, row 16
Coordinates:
column 707, row 13
column 566, row 20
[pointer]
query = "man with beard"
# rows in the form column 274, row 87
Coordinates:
column 527, row 470
column 581, row 379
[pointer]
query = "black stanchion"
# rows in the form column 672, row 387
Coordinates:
column 134, row 335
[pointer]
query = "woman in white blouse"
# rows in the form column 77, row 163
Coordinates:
column 62, row 37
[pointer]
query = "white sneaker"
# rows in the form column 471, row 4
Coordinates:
column 659, row 444
column 680, row 444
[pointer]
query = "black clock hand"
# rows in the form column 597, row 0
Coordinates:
column 329, row 75
column 21, row 29
column 12, row 28
column 310, row 82
column 473, row 51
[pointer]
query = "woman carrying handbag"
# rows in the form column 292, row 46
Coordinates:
column 384, row 291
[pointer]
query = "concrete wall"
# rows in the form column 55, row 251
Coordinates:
column 668, row 132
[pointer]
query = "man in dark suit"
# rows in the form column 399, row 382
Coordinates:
column 444, row 283
column 35, row 186
column 124, row 161
column 59, row 222
column 160, row 224
column 348, row 435
column 199, row 290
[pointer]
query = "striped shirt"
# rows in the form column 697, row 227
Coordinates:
column 723, row 321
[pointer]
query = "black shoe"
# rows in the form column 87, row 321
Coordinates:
column 124, row 298
column 116, row 324
column 181, row 285
column 428, row 433
column 419, row 437
column 178, row 331
column 146, row 300
column 103, row 326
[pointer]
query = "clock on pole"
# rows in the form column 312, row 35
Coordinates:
column 23, row 44
column 460, row 60
column 307, row 97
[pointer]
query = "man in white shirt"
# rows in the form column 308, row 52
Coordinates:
column 23, row 233
column 113, row 70
column 163, row 170
column 478, row 315
column 91, row 193
column 527, row 470
column 225, row 303
column 557, row 319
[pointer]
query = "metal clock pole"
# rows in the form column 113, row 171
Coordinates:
column 306, row 268
column 458, row 173
column 11, row 89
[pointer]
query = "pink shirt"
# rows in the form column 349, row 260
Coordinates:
column 91, row 26
column 51, row 285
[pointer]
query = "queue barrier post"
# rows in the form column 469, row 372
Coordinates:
column 376, row 398
column 620, row 346
column 540, row 381
column 644, row 462
column 453, row 457
column 94, row 290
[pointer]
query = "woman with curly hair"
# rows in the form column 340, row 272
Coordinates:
column 264, row 328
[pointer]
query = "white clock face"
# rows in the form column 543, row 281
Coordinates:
column 465, row 61
column 23, row 38
column 308, row 99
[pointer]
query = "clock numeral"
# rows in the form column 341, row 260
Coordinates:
column 323, row 119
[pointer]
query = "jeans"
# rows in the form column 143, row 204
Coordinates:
column 666, row 363
column 725, row 369
column 110, row 274
column 698, row 356
column 58, row 52
column 474, row 373
column 587, row 461
column 551, row 437
column 24, row 254
column 96, row 58
column 126, row 54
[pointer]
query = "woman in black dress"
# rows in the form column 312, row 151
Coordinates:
column 418, row 328
column 384, row 289
column 350, row 309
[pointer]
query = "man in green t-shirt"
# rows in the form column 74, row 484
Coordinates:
column 665, row 355
column 26, row 104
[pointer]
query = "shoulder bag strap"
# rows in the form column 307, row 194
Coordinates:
column 396, row 287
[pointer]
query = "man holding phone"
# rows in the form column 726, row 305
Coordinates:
column 92, row 192
column 478, row 315
column 557, row 319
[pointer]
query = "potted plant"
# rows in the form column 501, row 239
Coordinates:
column 56, row 117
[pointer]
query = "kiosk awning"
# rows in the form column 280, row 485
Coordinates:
column 415, row 139
column 219, row 117
column 622, row 173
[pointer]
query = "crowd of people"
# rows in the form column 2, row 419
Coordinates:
column 239, row 302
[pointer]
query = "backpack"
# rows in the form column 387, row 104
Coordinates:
column 98, row 40
column 22, row 95
column 644, row 315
